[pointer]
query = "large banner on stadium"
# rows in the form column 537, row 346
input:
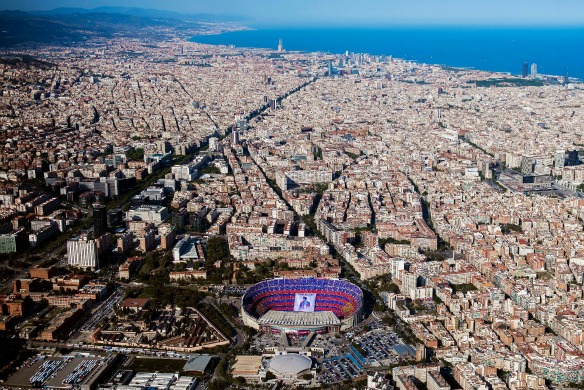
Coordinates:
column 304, row 302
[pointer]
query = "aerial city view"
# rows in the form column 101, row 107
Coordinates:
column 298, row 194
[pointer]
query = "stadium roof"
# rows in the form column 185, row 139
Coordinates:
column 290, row 364
column 297, row 318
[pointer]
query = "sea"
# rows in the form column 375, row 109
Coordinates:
column 555, row 50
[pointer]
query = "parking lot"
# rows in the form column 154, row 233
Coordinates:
column 348, row 358
column 58, row 372
column 330, row 343
column 345, row 357
column 383, row 348
column 340, row 368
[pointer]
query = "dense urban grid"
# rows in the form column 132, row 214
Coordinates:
column 164, row 205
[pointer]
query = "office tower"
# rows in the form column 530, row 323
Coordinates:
column 409, row 283
column 524, row 70
column 280, row 46
column 274, row 104
column 114, row 218
column 99, row 220
column 533, row 71
column 213, row 144
column 572, row 159
column 235, row 137
column 330, row 69
column 241, row 124
column 566, row 79
column 527, row 164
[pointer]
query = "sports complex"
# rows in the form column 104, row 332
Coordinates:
column 302, row 305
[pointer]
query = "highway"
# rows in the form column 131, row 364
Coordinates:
column 106, row 308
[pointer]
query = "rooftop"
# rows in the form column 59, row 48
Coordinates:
column 197, row 363
column 290, row 364
column 273, row 317
column 247, row 364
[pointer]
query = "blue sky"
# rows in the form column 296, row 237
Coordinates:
column 354, row 12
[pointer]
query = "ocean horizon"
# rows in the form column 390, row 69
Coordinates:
column 555, row 50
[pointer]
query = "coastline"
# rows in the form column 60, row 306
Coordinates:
column 498, row 69
column 454, row 68
column 226, row 30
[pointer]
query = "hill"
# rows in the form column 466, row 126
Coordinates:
column 146, row 12
column 70, row 25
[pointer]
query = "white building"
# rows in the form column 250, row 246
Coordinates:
column 377, row 381
column 409, row 283
column 533, row 71
column 83, row 253
column 188, row 249
column 189, row 172
column 148, row 213
column 291, row 368
column 184, row 172
column 288, row 179
column 213, row 144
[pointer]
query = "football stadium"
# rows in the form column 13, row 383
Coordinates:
column 302, row 305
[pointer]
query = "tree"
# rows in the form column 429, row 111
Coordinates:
column 388, row 320
column 510, row 227
column 217, row 249
column 218, row 384
column 135, row 154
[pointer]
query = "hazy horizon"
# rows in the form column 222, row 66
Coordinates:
column 350, row 13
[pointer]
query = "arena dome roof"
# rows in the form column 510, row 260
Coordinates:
column 290, row 364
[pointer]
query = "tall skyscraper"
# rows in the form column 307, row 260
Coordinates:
column 527, row 164
column 525, row 70
column 572, row 159
column 213, row 144
column 114, row 218
column 241, row 124
column 533, row 71
column 99, row 220
column 280, row 46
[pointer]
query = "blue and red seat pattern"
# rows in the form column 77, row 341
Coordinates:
column 339, row 296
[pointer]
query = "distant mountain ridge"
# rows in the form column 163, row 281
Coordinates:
column 67, row 25
column 146, row 12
